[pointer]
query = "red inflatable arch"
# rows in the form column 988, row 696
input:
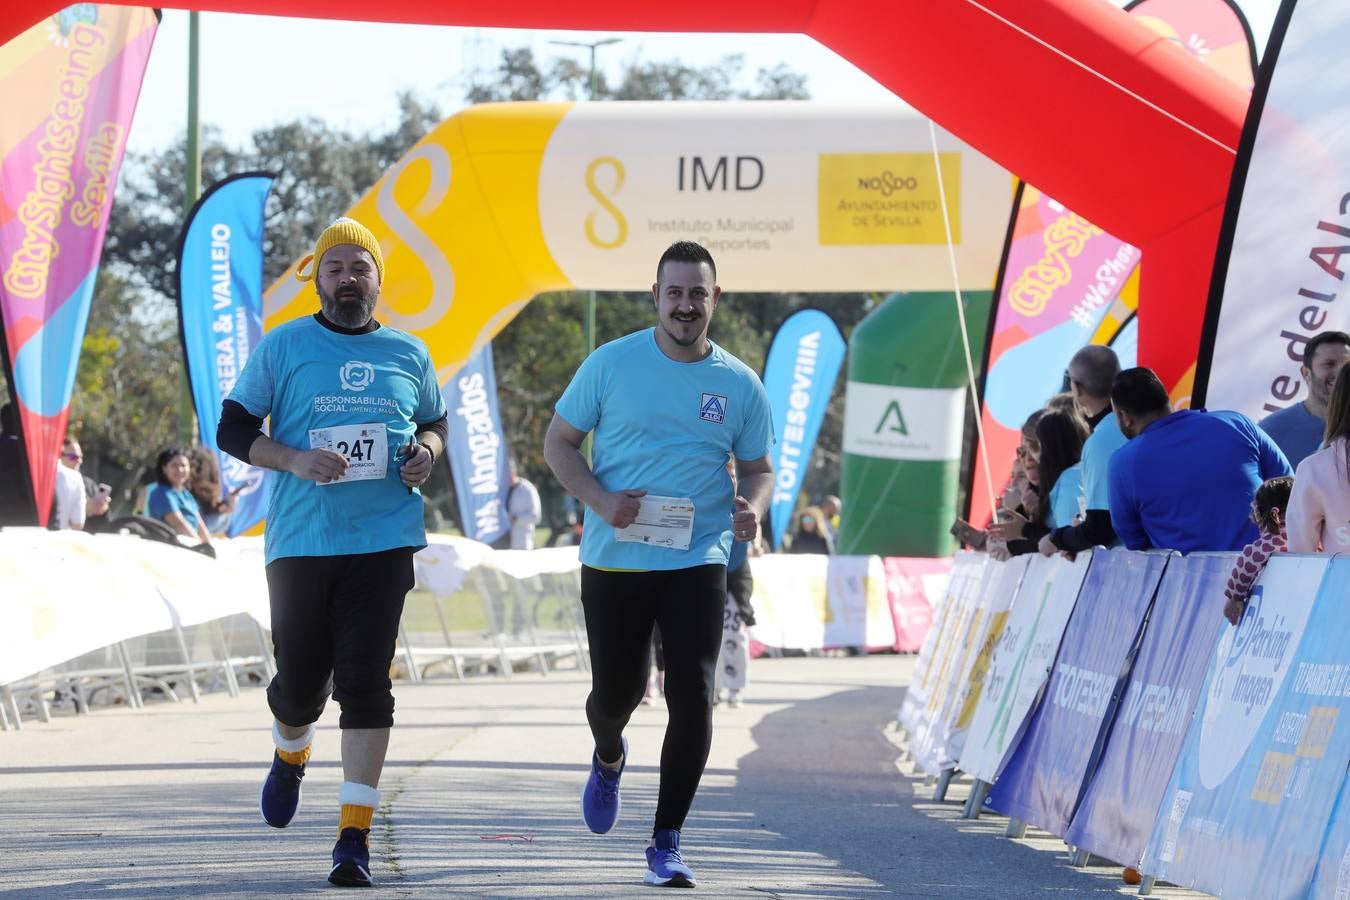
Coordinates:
column 1131, row 132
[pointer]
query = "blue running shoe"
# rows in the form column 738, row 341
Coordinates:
column 280, row 796
column 600, row 800
column 351, row 859
column 665, row 866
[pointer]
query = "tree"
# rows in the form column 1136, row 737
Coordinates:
column 131, row 357
column 125, row 404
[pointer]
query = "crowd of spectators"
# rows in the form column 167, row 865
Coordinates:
column 1112, row 462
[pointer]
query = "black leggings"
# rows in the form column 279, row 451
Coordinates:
column 621, row 609
column 334, row 624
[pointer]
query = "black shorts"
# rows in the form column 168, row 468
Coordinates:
column 334, row 626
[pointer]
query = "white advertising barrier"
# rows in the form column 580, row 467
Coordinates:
column 809, row 601
column 968, row 572
column 67, row 593
column 1021, row 662
column 960, row 675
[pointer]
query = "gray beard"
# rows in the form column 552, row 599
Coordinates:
column 346, row 313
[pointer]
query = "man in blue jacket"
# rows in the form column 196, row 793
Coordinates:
column 1186, row 479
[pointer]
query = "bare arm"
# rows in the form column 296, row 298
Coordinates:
column 754, row 480
column 178, row 523
column 562, row 452
column 312, row 465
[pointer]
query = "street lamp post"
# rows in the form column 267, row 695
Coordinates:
column 588, row 323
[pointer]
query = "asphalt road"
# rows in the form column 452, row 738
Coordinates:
column 802, row 798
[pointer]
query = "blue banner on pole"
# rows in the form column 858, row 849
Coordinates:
column 1247, row 808
column 477, row 449
column 1121, row 802
column 1043, row 778
column 799, row 374
column 220, row 273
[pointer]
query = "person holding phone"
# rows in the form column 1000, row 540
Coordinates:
column 357, row 421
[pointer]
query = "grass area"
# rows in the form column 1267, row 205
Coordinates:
column 465, row 612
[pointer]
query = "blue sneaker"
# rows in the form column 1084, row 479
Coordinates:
column 665, row 866
column 279, row 799
column 351, row 859
column 600, row 799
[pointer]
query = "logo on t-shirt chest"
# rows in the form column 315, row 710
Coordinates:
column 357, row 375
column 712, row 408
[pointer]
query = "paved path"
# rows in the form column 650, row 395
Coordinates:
column 802, row 798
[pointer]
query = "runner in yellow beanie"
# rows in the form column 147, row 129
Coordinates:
column 342, row 231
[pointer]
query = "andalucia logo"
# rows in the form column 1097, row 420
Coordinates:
column 892, row 419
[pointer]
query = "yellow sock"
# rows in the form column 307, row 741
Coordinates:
column 354, row 816
column 298, row 758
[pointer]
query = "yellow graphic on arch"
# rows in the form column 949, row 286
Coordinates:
column 458, row 220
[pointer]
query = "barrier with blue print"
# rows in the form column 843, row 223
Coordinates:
column 1121, row 801
column 1331, row 881
column 1250, row 799
column 1044, row 776
column 1218, row 754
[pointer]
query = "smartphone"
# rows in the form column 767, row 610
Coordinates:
column 103, row 490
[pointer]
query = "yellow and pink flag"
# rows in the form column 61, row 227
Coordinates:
column 70, row 85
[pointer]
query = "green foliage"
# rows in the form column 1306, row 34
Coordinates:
column 126, row 397
column 125, row 404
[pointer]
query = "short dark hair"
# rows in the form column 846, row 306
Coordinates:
column 687, row 252
column 1098, row 367
column 1319, row 340
column 1138, row 392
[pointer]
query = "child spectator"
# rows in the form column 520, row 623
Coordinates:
column 1268, row 512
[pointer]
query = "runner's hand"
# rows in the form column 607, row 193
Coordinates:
column 744, row 521
column 322, row 466
column 1047, row 546
column 620, row 508
column 417, row 466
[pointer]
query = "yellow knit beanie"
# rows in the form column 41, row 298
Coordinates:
column 342, row 231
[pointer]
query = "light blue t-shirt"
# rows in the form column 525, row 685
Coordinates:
column 1065, row 496
column 666, row 427
column 163, row 499
column 1098, row 449
column 1297, row 432
column 307, row 377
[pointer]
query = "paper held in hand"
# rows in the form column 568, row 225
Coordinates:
column 366, row 448
column 662, row 522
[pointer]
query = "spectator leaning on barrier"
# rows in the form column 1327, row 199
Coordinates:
column 171, row 502
column 1091, row 372
column 1297, row 430
column 1268, row 512
column 1319, row 509
column 1061, row 436
column 1186, row 479
column 1021, row 524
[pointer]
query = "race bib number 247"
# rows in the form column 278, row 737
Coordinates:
column 365, row 447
